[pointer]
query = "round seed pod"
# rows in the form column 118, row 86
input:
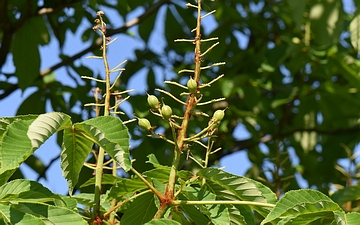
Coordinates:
column 153, row 101
column 219, row 115
column 166, row 112
column 192, row 85
column 144, row 123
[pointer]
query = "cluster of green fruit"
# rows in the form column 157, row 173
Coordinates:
column 166, row 111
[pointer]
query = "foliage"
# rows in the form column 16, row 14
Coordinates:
column 291, row 80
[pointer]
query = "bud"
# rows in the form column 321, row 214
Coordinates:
column 144, row 123
column 153, row 101
column 166, row 112
column 192, row 85
column 219, row 115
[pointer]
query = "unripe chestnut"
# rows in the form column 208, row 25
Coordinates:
column 192, row 85
column 144, row 123
column 153, row 101
column 166, row 112
column 219, row 115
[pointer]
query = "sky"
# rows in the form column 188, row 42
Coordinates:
column 122, row 49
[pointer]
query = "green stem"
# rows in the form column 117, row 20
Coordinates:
column 182, row 131
column 113, row 202
column 222, row 202
column 147, row 183
column 100, row 162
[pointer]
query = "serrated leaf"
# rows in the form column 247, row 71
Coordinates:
column 304, row 205
column 233, row 214
column 111, row 134
column 15, row 146
column 231, row 187
column 191, row 213
column 75, row 150
column 140, row 211
column 22, row 190
column 10, row 215
column 352, row 218
column 24, row 135
column 162, row 222
column 6, row 121
column 46, row 125
column 125, row 186
column 48, row 213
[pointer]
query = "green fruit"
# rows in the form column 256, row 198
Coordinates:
column 219, row 115
column 153, row 101
column 144, row 124
column 192, row 85
column 166, row 112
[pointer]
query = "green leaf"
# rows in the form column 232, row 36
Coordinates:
column 37, row 165
column 24, row 202
column 231, row 187
column 15, row 146
column 352, row 218
column 355, row 32
column 350, row 74
column 162, row 222
column 146, row 27
column 25, row 191
column 140, row 211
column 302, row 205
column 326, row 22
column 24, row 135
column 11, row 215
column 35, row 104
column 125, row 186
column 46, row 125
column 346, row 194
column 108, row 132
column 75, row 150
column 297, row 10
column 4, row 177
column 191, row 215
column 25, row 44
column 26, row 213
column 6, row 121
column 111, row 134
column 219, row 214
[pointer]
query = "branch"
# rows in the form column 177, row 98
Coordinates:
column 94, row 46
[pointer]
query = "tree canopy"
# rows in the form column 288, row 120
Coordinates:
column 291, row 77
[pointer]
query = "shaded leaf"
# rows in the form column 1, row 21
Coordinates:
column 355, row 32
column 303, row 205
column 140, row 211
column 162, row 222
column 346, row 194
column 231, row 187
column 75, row 150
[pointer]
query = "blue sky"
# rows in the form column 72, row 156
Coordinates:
column 119, row 51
